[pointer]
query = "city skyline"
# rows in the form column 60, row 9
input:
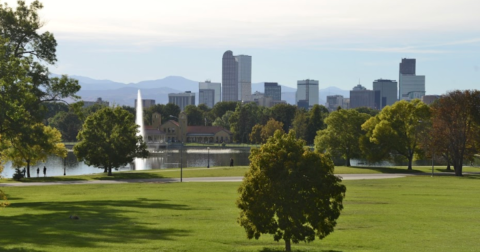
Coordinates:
column 336, row 43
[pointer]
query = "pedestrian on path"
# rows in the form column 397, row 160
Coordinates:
column 44, row 171
column 38, row 172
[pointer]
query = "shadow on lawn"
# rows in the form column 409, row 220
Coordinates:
column 388, row 169
column 100, row 223
column 130, row 175
column 20, row 250
column 293, row 249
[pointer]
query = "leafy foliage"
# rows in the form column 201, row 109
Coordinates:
column 289, row 192
column 456, row 132
column 109, row 139
column 398, row 128
column 316, row 117
column 342, row 135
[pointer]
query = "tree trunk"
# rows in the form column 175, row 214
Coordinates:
column 28, row 169
column 458, row 170
column 288, row 246
column 410, row 161
column 109, row 171
column 105, row 170
column 348, row 162
column 448, row 166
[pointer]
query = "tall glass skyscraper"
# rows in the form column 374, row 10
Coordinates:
column 236, row 77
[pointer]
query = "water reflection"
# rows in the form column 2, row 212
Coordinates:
column 191, row 157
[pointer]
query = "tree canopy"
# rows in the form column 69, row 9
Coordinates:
column 290, row 192
column 342, row 135
column 398, row 128
column 109, row 139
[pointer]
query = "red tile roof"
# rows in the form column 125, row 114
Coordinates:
column 205, row 129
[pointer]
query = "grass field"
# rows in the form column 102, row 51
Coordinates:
column 227, row 171
column 416, row 213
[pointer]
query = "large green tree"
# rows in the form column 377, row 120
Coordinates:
column 289, row 192
column 284, row 113
column 109, row 139
column 398, row 128
column 456, row 128
column 41, row 142
column 342, row 135
column 243, row 119
column 25, row 82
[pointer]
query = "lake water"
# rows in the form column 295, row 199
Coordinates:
column 190, row 157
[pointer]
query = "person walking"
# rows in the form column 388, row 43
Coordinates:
column 231, row 162
column 44, row 171
column 38, row 172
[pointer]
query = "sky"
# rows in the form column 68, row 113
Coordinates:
column 338, row 42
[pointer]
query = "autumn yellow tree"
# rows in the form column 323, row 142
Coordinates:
column 27, row 150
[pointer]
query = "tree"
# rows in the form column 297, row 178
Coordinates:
column 68, row 123
column 41, row 142
column 300, row 123
column 243, row 120
column 270, row 128
column 224, row 121
column 220, row 108
column 455, row 126
column 315, row 122
column 195, row 116
column 109, row 139
column 3, row 196
column 255, row 136
column 399, row 128
column 342, row 135
column 284, row 113
column 289, row 192
column 24, row 80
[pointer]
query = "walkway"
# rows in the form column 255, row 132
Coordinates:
column 202, row 179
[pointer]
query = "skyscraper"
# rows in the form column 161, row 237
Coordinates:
column 273, row 90
column 208, row 85
column 236, row 77
column 388, row 91
column 410, row 86
column 229, row 77
column 307, row 92
column 361, row 97
column 244, row 77
column 182, row 99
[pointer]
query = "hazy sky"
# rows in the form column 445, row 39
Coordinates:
column 338, row 42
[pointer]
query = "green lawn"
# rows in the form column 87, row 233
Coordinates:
column 227, row 171
column 417, row 213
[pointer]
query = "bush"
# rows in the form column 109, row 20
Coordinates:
column 18, row 174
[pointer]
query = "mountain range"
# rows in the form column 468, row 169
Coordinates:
column 125, row 94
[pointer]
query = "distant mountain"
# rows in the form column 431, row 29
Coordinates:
column 125, row 94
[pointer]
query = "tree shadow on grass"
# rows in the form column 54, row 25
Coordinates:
column 130, row 175
column 20, row 250
column 293, row 249
column 471, row 176
column 388, row 169
column 100, row 223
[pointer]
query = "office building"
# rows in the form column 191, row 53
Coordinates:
column 262, row 100
column 98, row 101
column 429, row 99
column 217, row 92
column 146, row 103
column 388, row 91
column 182, row 99
column 207, row 97
column 236, row 77
column 307, row 91
column 410, row 85
column 244, row 77
column 361, row 97
column 273, row 90
column 333, row 102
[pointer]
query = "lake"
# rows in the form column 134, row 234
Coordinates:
column 163, row 159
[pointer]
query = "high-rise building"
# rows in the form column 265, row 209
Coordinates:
column 217, row 92
column 307, row 90
column 334, row 101
column 361, row 97
column 273, row 90
column 229, row 77
column 207, row 97
column 244, row 77
column 146, row 103
column 388, row 91
column 236, row 77
column 407, row 66
column 410, row 85
column 182, row 99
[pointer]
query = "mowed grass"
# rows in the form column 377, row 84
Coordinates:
column 226, row 171
column 416, row 213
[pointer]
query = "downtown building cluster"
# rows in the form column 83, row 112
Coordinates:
column 236, row 86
